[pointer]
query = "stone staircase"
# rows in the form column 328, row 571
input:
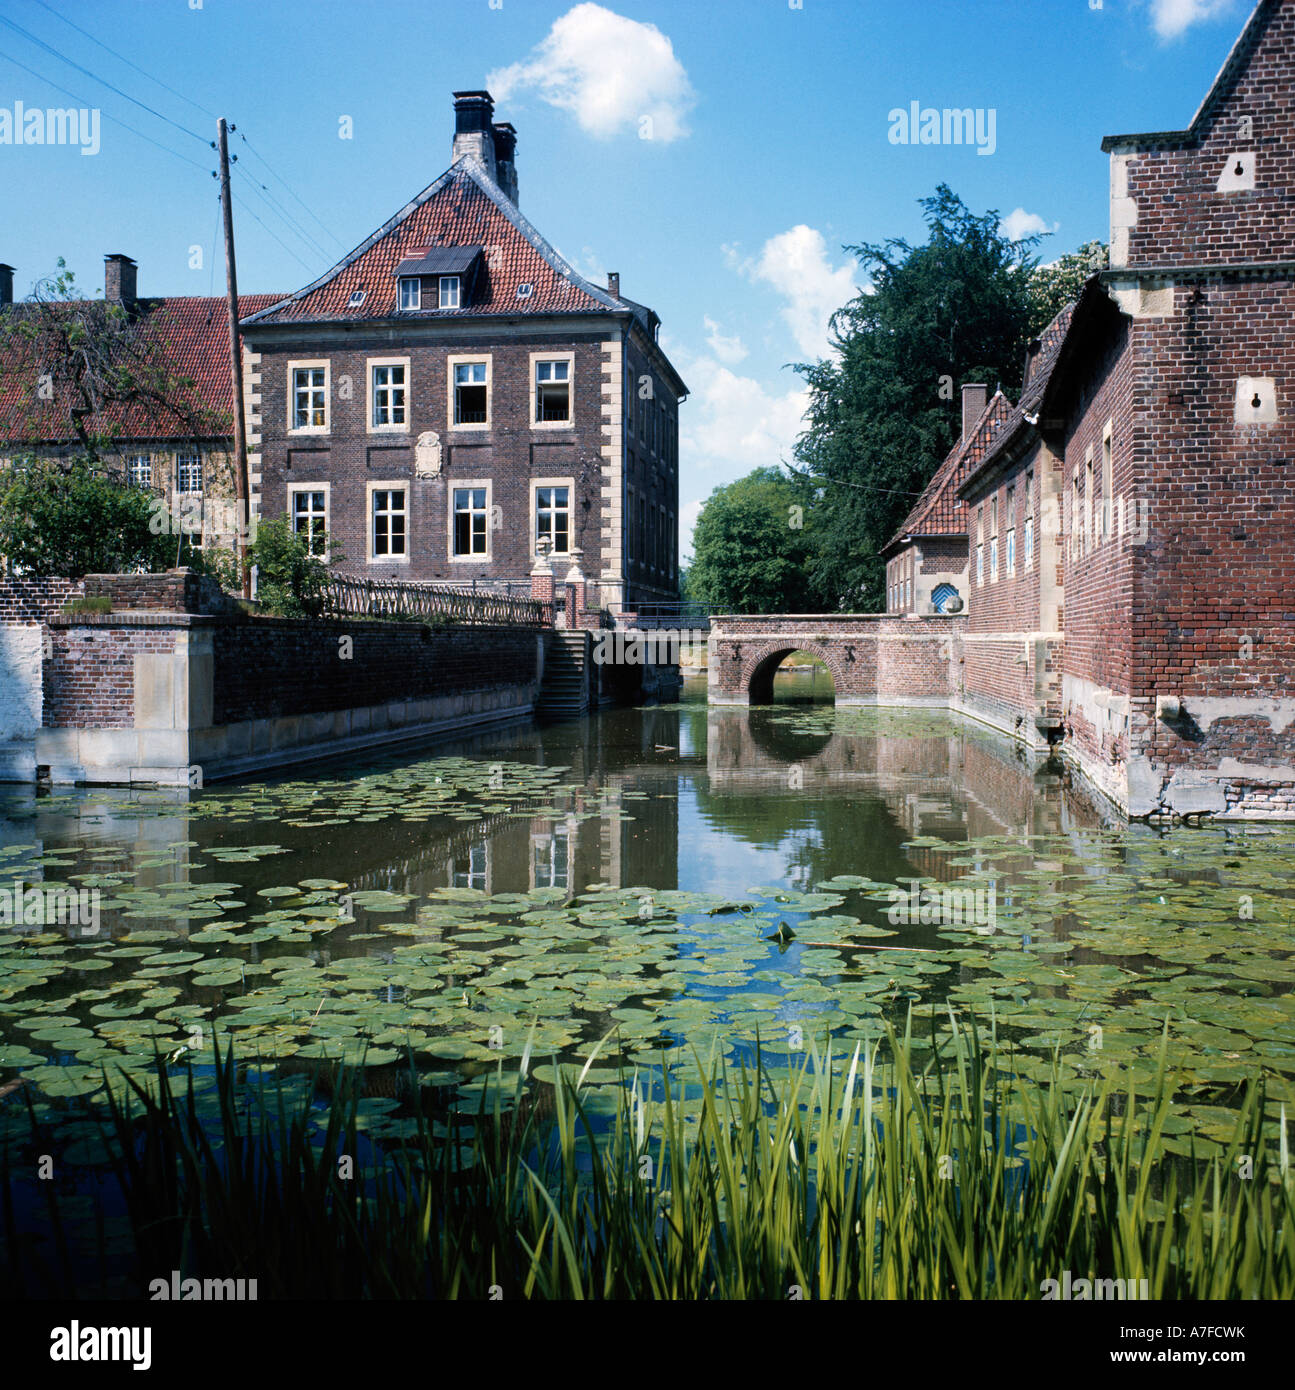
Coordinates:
column 565, row 689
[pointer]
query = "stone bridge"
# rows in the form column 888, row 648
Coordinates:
column 873, row 659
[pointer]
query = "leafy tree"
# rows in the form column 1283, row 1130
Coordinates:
column 290, row 581
column 73, row 518
column 885, row 410
column 1054, row 286
column 752, row 547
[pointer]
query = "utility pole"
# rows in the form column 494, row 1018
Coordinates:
column 242, row 492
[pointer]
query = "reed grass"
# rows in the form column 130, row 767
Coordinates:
column 873, row 1175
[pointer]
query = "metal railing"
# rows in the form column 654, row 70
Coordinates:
column 404, row 601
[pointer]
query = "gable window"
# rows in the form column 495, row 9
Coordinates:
column 411, row 292
column 387, row 382
column 388, row 522
column 310, row 515
column 1011, row 531
column 1029, row 519
column 188, row 473
column 470, row 382
column 309, row 398
column 553, row 516
column 449, row 291
column 551, row 390
column 470, row 519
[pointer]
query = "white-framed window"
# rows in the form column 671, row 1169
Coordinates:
column 629, row 524
column 551, row 375
column 1029, row 518
column 411, row 292
column 472, row 870
column 1090, row 536
column 448, row 291
column 1010, row 555
column 388, row 394
column 388, row 521
column 469, row 384
column 308, row 509
column 188, row 473
column 551, row 514
column 1108, row 482
column 470, row 521
column 671, row 545
column 139, row 470
column 308, row 391
column 552, row 860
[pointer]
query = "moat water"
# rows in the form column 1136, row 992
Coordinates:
column 650, row 878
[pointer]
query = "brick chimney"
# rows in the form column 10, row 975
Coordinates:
column 6, row 283
column 974, row 399
column 614, row 283
column 473, row 134
column 506, row 159
column 119, row 279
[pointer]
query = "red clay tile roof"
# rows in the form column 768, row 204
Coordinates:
column 939, row 511
column 193, row 335
column 1021, row 417
column 461, row 208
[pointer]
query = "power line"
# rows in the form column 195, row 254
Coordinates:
column 243, row 204
column 103, row 82
column 276, row 206
column 259, row 156
column 121, row 57
column 58, row 87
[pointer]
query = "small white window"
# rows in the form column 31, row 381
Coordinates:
column 525, row 290
column 449, row 292
column 411, row 292
column 310, row 398
column 139, row 470
column 471, row 519
column 553, row 518
column 388, row 522
column 387, row 393
column 310, row 517
column 356, row 299
column 552, row 390
column 188, row 473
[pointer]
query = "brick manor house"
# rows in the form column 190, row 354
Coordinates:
column 452, row 400
column 1123, row 538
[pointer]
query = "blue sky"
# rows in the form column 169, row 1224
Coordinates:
column 717, row 154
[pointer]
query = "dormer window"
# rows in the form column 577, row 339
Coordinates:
column 449, row 291
column 411, row 292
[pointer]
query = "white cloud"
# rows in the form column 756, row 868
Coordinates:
column 1018, row 223
column 610, row 72
column 1170, row 18
column 730, row 350
column 795, row 263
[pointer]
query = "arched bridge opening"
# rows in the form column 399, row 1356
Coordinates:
column 760, row 690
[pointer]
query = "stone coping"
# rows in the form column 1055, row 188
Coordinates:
column 160, row 618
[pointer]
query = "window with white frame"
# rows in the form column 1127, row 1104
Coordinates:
column 1089, row 535
column 472, row 871
column 139, row 470
column 188, row 473
column 1108, row 483
column 471, row 385
column 553, row 517
column 629, row 524
column 387, row 382
column 470, row 521
column 309, row 397
column 552, row 860
column 980, row 545
column 552, row 391
column 1029, row 519
column 1011, row 531
column 411, row 292
column 671, row 545
column 388, row 522
column 449, row 292
column 309, row 512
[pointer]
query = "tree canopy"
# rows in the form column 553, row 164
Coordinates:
column 753, row 547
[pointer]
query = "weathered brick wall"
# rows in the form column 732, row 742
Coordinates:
column 941, row 556
column 1182, row 219
column 509, row 453
column 266, row 667
column 172, row 591
column 90, row 671
column 34, row 600
column 869, row 656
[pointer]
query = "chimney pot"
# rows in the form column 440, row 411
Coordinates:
column 614, row 283
column 974, row 398
column 6, row 283
column 119, row 279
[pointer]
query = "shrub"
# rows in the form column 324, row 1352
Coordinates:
column 290, row 581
